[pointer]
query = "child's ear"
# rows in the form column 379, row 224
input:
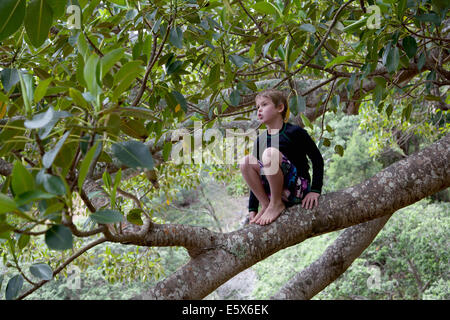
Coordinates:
column 282, row 106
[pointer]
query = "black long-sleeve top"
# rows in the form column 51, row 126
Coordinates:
column 295, row 143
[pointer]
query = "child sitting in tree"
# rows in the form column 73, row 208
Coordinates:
column 278, row 171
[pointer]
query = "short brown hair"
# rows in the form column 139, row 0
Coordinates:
column 277, row 98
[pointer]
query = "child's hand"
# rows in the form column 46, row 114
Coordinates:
column 311, row 200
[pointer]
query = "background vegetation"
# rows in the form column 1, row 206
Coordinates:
column 408, row 259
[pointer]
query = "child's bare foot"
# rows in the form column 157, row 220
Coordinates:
column 271, row 213
column 260, row 213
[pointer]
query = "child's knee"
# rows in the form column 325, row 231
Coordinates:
column 271, row 155
column 247, row 162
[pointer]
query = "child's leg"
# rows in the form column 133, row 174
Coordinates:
column 272, row 158
column 250, row 171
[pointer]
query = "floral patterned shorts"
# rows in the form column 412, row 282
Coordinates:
column 295, row 187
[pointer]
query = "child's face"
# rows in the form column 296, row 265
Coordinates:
column 267, row 111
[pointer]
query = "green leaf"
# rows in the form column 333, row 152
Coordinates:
column 13, row 287
column 109, row 59
column 59, row 237
column 308, row 27
column 53, row 210
column 40, row 120
column 265, row 48
column 133, row 154
column 90, row 75
column 106, row 216
column 389, row 110
column 49, row 156
column 430, row 97
column 12, row 13
column 306, row 121
column 166, row 150
column 391, row 58
column 266, row 8
column 10, row 77
column 429, row 17
column 26, row 88
column 339, row 149
column 58, row 7
column 134, row 128
column 176, row 37
column 421, row 61
column 82, row 46
column 356, row 26
column 24, row 239
column 235, row 98
column 119, row 2
column 137, row 112
column 38, row 20
column 117, row 179
column 107, row 179
column 378, row 93
column 134, row 217
column 297, row 104
column 22, row 180
column 214, row 75
column 406, row 112
column 85, row 164
column 401, row 7
column 173, row 67
column 45, row 131
column 31, row 196
column 42, row 271
column 125, row 77
column 6, row 204
column 78, row 98
column 410, row 46
column 54, row 184
column 338, row 60
column 239, row 61
column 4, row 227
column 180, row 99
column 41, row 89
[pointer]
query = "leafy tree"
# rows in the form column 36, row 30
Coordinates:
column 355, row 166
column 92, row 91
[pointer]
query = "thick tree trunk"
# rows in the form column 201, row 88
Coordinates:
column 225, row 255
column 335, row 261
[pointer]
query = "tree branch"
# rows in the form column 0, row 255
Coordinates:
column 61, row 267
